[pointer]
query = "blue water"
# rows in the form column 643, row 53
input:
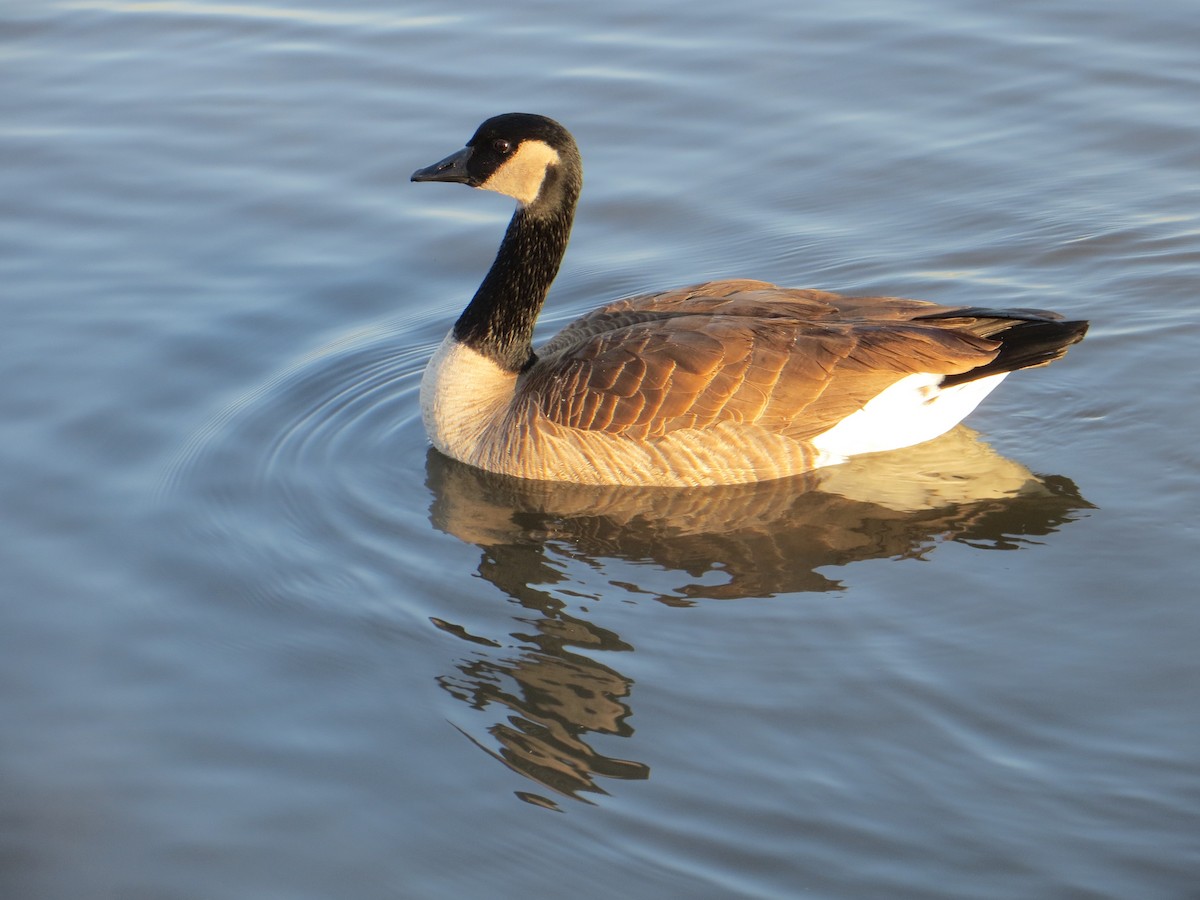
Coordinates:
column 257, row 640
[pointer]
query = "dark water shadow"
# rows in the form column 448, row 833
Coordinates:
column 758, row 540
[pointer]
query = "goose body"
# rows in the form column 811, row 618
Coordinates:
column 716, row 383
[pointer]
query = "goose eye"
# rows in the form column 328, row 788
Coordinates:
column 501, row 146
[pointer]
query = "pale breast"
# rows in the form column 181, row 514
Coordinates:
column 465, row 400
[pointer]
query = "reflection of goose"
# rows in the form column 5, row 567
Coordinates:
column 763, row 540
column 552, row 688
column 553, row 701
column 554, row 677
column 720, row 383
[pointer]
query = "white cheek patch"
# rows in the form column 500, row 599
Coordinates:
column 522, row 175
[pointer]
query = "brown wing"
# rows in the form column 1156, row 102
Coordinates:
column 742, row 297
column 791, row 361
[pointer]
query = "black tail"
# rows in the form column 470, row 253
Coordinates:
column 1027, row 337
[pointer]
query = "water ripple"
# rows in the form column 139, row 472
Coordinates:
column 243, row 11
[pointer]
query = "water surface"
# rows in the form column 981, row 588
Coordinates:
column 256, row 639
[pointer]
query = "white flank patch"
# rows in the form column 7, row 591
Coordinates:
column 911, row 411
column 463, row 394
column 522, row 174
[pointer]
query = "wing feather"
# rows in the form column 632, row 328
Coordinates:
column 792, row 361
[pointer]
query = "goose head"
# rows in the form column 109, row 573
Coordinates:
column 528, row 157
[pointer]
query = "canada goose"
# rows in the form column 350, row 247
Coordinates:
column 716, row 383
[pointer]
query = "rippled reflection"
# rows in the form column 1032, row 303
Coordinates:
column 759, row 539
column 764, row 538
column 553, row 695
column 552, row 700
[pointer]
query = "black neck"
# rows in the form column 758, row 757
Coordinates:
column 499, row 320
